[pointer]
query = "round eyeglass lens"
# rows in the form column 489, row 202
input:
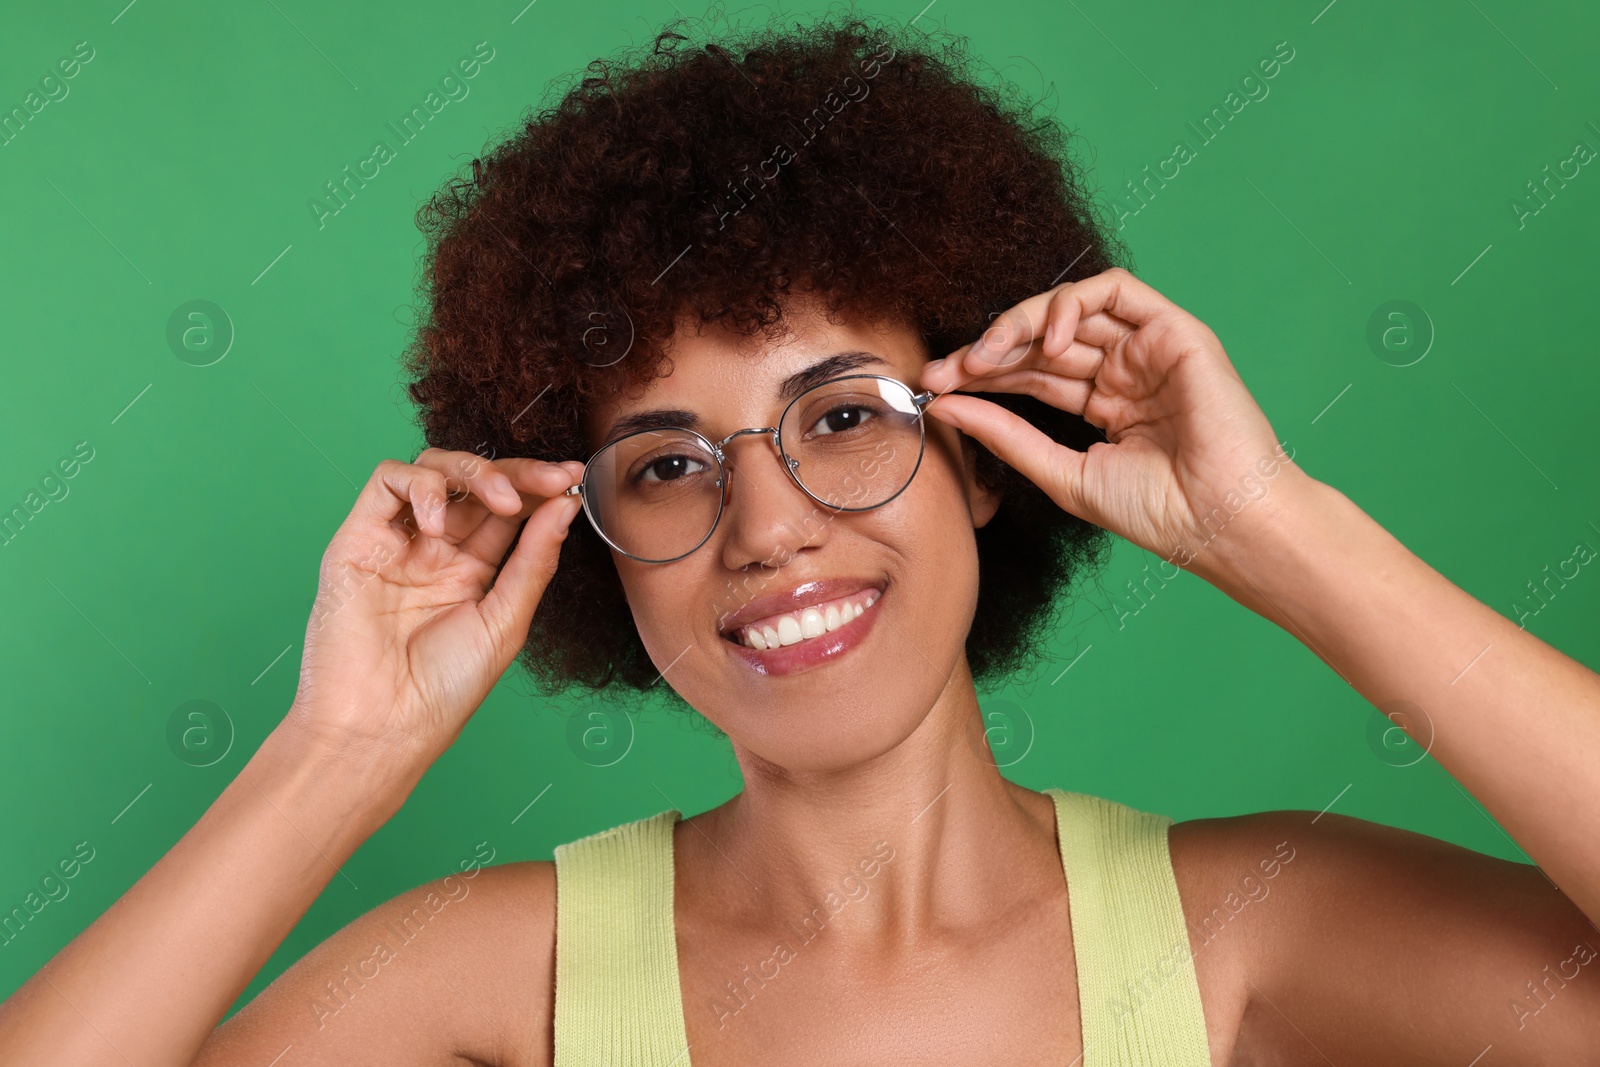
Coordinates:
column 854, row 442
column 654, row 495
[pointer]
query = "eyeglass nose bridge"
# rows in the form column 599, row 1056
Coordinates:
column 773, row 430
column 789, row 463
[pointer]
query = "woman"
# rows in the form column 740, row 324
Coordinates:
column 722, row 275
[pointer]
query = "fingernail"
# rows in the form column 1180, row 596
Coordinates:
column 934, row 365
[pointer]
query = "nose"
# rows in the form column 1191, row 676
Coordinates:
column 766, row 517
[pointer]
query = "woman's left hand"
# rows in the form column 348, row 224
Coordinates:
column 1187, row 448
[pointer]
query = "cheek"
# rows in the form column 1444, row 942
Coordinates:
column 672, row 605
column 940, row 484
column 931, row 529
column 641, row 588
column 642, row 591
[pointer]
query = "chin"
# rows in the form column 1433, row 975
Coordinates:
column 839, row 720
column 833, row 742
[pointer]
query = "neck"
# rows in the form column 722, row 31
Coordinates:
column 929, row 831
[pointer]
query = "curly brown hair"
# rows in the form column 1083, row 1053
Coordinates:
column 864, row 163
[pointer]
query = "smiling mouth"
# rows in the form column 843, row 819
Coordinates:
column 806, row 624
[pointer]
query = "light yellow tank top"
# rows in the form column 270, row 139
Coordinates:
column 618, row 1002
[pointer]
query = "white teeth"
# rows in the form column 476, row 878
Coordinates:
column 811, row 622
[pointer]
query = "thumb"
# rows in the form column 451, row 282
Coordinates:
column 1053, row 467
column 508, row 608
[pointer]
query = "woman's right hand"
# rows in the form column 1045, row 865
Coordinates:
column 412, row 626
column 413, row 623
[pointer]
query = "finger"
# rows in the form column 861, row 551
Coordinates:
column 1079, row 362
column 1059, row 312
column 469, row 473
column 1112, row 300
column 1067, row 394
column 396, row 487
column 508, row 607
column 489, row 541
column 537, row 481
column 539, row 478
column 493, row 496
column 1102, row 329
column 1055, row 468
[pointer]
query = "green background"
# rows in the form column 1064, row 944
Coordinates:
column 1381, row 166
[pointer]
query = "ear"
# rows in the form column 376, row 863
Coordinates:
column 982, row 501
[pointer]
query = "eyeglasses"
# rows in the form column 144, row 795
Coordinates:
column 852, row 443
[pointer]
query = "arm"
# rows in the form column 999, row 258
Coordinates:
column 1516, row 722
column 460, row 968
column 147, row 981
column 420, row 608
column 1403, row 935
column 1347, row 941
column 1389, row 944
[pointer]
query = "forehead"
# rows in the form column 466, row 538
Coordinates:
column 734, row 380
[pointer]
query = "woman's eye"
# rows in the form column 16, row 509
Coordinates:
column 841, row 419
column 669, row 468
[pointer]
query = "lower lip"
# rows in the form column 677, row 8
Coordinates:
column 812, row 652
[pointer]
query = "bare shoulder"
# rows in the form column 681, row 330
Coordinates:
column 1348, row 937
column 460, row 968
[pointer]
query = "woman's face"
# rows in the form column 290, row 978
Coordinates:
column 852, row 693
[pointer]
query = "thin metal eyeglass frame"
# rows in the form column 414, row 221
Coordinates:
column 919, row 402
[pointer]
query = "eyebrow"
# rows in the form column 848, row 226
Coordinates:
column 793, row 386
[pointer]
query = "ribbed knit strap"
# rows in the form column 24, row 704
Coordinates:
column 1137, row 990
column 618, row 1002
